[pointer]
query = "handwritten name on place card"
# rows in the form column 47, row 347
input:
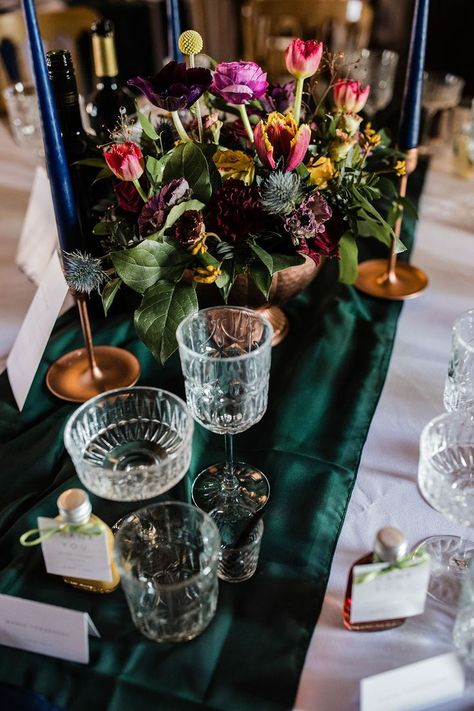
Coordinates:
column 45, row 629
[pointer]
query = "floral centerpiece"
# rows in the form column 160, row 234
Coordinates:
column 238, row 177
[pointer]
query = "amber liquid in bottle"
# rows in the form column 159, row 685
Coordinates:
column 71, row 499
column 374, row 625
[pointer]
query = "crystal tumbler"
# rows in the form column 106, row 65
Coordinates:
column 23, row 116
column 130, row 444
column 167, row 557
column 459, row 387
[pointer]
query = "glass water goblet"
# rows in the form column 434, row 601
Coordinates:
column 167, row 555
column 225, row 356
column 23, row 117
column 440, row 92
column 459, row 386
column 377, row 68
column 130, row 444
column 446, row 481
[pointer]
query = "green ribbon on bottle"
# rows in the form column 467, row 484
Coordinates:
column 409, row 561
column 85, row 529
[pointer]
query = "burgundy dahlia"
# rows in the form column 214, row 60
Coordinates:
column 234, row 211
column 188, row 228
column 155, row 211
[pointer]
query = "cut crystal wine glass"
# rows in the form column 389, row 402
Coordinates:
column 446, row 480
column 440, row 92
column 377, row 68
column 459, row 387
column 225, row 356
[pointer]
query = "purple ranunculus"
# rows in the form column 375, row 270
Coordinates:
column 175, row 87
column 279, row 97
column 155, row 211
column 239, row 82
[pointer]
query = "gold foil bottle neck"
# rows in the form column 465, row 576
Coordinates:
column 105, row 58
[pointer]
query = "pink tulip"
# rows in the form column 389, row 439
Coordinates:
column 125, row 160
column 279, row 138
column 349, row 96
column 303, row 58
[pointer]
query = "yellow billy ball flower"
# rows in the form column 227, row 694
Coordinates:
column 190, row 42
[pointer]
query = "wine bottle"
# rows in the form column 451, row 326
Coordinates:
column 78, row 144
column 109, row 99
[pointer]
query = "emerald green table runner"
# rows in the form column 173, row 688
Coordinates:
column 326, row 379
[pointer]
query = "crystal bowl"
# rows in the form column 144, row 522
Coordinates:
column 130, row 444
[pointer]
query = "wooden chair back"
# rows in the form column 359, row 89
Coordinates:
column 269, row 25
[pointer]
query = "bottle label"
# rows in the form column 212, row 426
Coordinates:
column 76, row 555
column 105, row 59
column 386, row 591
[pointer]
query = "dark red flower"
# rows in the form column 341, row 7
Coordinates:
column 128, row 197
column 155, row 210
column 234, row 211
column 188, row 228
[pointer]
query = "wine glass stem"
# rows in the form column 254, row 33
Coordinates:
column 230, row 482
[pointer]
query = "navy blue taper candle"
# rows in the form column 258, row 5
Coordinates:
column 56, row 162
column 409, row 131
column 174, row 28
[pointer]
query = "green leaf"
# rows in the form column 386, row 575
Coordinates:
column 408, row 206
column 101, row 228
column 222, row 280
column 147, row 126
column 188, row 161
column 348, row 254
column 283, row 261
column 93, row 162
column 176, row 212
column 104, row 173
column 109, row 292
column 263, row 256
column 163, row 308
column 261, row 277
column 155, row 168
column 144, row 265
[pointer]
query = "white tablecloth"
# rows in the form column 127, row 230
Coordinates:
column 386, row 491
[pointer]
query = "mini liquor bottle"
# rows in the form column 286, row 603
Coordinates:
column 390, row 546
column 75, row 507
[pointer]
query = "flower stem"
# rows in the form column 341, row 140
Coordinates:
column 197, row 104
column 140, row 190
column 298, row 98
column 179, row 127
column 245, row 121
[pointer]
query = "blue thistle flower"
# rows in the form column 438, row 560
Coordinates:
column 281, row 192
column 83, row 273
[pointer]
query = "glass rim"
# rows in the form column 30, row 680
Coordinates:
column 78, row 412
column 213, row 556
column 456, row 329
column 464, row 414
column 244, row 356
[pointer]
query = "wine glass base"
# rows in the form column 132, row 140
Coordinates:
column 446, row 576
column 208, row 492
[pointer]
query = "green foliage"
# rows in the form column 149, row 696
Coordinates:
column 109, row 292
column 176, row 212
column 348, row 253
column 142, row 266
column 164, row 306
column 188, row 161
column 147, row 127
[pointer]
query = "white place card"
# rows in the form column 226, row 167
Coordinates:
column 45, row 629
column 76, row 555
column 415, row 686
column 27, row 351
column 38, row 235
column 398, row 593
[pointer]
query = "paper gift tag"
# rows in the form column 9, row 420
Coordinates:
column 76, row 555
column 45, row 629
column 38, row 234
column 398, row 593
column 420, row 685
column 27, row 351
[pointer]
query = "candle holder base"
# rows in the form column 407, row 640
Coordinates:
column 71, row 378
column 407, row 282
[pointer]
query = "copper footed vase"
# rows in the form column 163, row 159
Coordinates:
column 285, row 284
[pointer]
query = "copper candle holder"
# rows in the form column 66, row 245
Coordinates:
column 387, row 278
column 83, row 373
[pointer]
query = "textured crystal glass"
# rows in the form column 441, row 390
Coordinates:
column 23, row 116
column 440, row 93
column 239, row 563
column 377, row 68
column 167, row 557
column 130, row 444
column 225, row 356
column 446, row 480
column 459, row 387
